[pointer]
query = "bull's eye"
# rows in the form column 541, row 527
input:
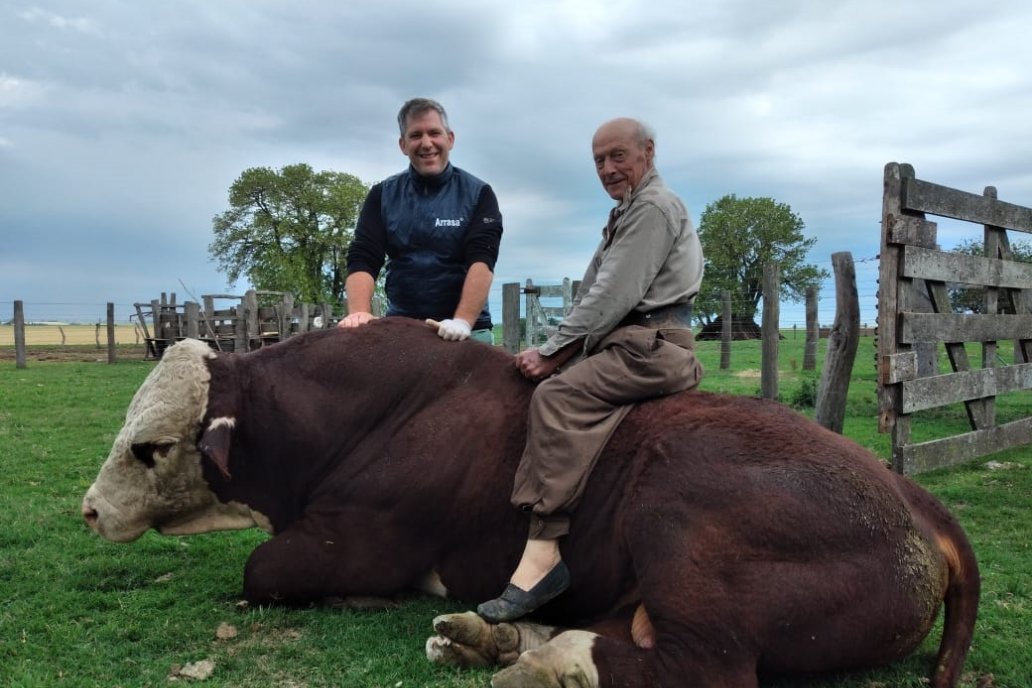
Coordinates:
column 146, row 452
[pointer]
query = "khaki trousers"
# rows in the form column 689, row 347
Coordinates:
column 573, row 414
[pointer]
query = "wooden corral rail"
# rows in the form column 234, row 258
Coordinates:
column 540, row 319
column 911, row 264
column 246, row 323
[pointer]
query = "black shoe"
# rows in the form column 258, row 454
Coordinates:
column 515, row 603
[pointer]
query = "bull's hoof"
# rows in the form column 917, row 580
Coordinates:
column 441, row 650
column 466, row 640
column 466, row 628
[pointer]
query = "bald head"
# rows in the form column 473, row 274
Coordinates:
column 624, row 150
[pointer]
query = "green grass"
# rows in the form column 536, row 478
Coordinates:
column 79, row 611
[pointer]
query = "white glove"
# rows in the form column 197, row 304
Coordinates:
column 454, row 330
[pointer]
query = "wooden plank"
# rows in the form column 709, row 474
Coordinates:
column 830, row 411
column 931, row 392
column 926, row 197
column 770, row 331
column 511, row 317
column 842, row 298
column 954, row 327
column 991, row 245
column 192, row 315
column 898, row 368
column 951, row 451
column 725, row 329
column 888, row 288
column 929, row 264
column 19, row 334
column 910, row 229
column 112, row 356
column 900, row 441
column 142, row 320
column 549, row 291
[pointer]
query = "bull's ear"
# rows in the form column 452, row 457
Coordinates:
column 215, row 442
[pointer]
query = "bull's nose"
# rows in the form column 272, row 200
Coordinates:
column 90, row 514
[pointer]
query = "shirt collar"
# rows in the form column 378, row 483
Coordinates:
column 434, row 181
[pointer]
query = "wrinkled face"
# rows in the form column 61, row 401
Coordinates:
column 152, row 477
column 621, row 160
column 427, row 142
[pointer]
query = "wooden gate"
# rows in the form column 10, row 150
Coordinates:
column 911, row 268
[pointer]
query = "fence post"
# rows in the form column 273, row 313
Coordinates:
column 511, row 317
column 192, row 316
column 287, row 316
column 250, row 316
column 771, row 334
column 111, row 356
column 241, row 338
column 19, row 334
column 812, row 330
column 725, row 330
column 842, row 344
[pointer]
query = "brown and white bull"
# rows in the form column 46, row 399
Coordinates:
column 719, row 537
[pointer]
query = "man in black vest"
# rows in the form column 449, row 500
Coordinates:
column 438, row 227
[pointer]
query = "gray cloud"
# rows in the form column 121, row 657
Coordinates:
column 123, row 124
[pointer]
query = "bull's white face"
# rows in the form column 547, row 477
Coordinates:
column 152, row 478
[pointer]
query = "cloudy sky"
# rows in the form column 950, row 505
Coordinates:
column 124, row 123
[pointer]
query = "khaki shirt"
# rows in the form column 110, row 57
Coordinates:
column 649, row 257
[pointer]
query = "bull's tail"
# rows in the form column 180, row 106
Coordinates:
column 961, row 602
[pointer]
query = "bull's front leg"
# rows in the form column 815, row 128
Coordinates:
column 305, row 564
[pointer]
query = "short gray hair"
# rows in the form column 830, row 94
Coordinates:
column 418, row 106
column 644, row 133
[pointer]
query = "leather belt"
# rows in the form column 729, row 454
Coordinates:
column 676, row 315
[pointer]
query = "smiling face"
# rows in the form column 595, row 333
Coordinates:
column 622, row 159
column 427, row 142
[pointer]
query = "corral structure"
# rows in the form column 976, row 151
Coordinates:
column 227, row 322
column 913, row 279
column 541, row 319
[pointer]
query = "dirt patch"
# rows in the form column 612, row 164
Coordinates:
column 87, row 354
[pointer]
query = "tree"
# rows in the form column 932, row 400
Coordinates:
column 739, row 236
column 966, row 298
column 289, row 230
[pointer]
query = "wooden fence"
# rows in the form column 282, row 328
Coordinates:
column 228, row 322
column 912, row 267
column 540, row 319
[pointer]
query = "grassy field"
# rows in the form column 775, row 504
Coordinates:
column 71, row 335
column 79, row 611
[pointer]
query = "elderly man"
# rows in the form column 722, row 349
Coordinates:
column 630, row 325
column 439, row 228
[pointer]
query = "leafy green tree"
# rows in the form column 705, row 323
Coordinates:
column 970, row 299
column 289, row 230
column 741, row 235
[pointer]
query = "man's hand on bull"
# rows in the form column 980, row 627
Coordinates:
column 356, row 319
column 534, row 366
column 452, row 330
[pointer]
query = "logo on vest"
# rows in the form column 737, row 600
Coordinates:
column 448, row 223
